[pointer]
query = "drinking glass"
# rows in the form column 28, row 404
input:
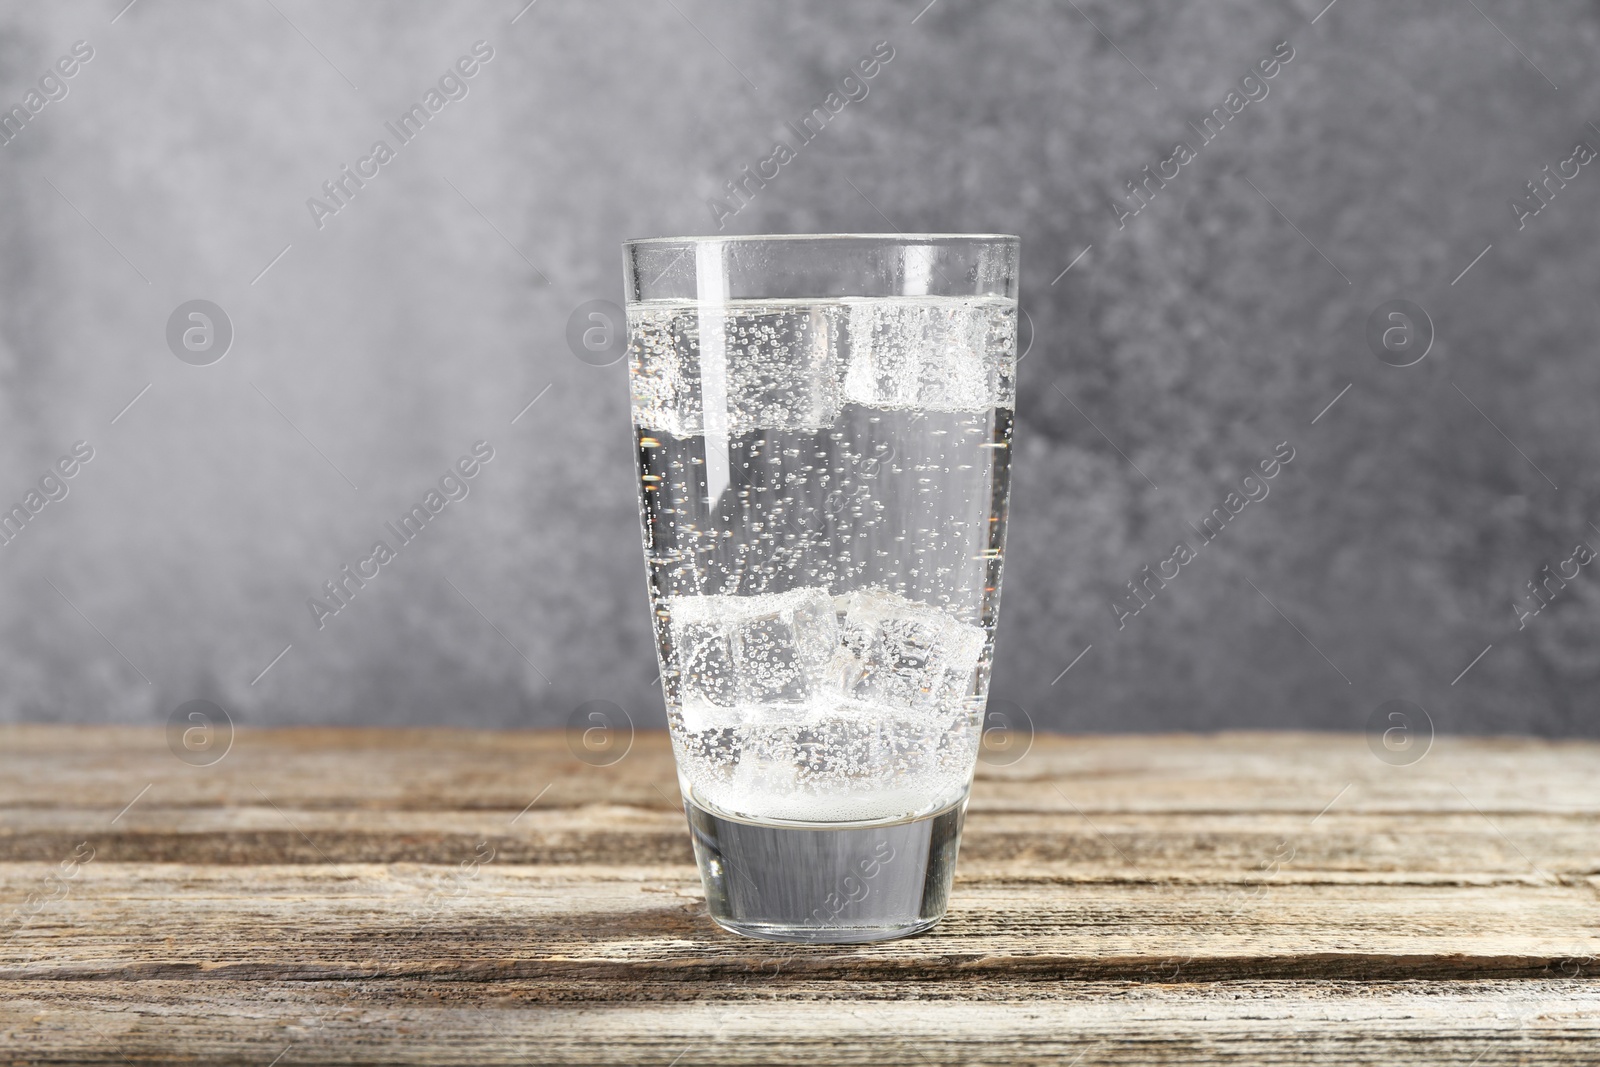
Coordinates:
column 823, row 428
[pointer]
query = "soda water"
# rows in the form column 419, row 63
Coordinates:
column 823, row 487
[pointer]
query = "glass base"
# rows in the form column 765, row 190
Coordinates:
column 826, row 884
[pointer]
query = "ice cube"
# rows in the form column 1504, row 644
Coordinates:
column 706, row 665
column 902, row 654
column 936, row 354
column 772, row 648
column 779, row 366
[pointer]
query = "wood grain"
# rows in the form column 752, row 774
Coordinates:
column 336, row 896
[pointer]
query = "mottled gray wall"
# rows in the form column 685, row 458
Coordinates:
column 1189, row 341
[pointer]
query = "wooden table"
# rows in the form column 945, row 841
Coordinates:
column 407, row 896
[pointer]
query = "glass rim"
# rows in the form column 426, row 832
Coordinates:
column 905, row 238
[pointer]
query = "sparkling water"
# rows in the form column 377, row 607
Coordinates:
column 823, row 494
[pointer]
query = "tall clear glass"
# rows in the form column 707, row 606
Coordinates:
column 823, row 427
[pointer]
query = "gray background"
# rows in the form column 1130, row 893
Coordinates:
column 428, row 313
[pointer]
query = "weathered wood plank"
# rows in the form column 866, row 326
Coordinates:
column 1402, row 846
column 1111, row 1024
column 430, row 770
column 1243, row 898
column 633, row 925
